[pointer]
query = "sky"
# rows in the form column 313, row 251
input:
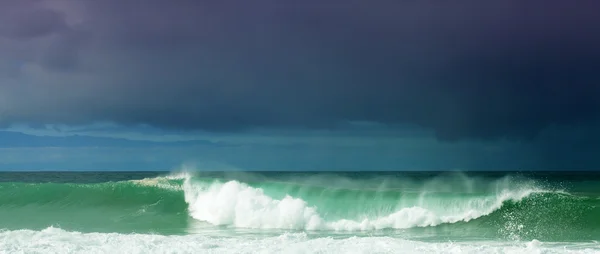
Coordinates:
column 299, row 85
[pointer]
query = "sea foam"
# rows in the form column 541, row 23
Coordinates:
column 56, row 240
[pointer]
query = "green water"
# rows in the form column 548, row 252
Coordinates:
column 439, row 206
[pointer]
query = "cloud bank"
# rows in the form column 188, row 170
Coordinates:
column 466, row 70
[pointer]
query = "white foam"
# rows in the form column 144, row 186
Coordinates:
column 54, row 240
column 239, row 205
column 163, row 181
column 179, row 175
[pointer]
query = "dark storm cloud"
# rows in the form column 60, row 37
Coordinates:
column 466, row 69
column 26, row 20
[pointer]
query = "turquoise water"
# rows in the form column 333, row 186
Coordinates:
column 435, row 212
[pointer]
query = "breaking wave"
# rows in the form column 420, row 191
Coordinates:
column 509, row 207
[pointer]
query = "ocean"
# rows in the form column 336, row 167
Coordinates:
column 299, row 212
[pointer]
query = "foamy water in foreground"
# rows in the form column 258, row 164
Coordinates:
column 54, row 240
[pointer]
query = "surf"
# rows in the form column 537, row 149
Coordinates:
column 452, row 205
column 55, row 240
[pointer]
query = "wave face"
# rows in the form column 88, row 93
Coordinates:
column 440, row 206
column 102, row 207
